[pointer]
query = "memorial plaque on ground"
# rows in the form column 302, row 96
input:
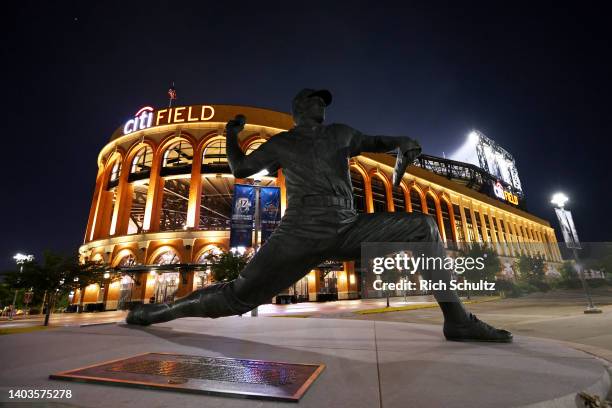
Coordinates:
column 200, row 374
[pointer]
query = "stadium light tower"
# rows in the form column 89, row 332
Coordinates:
column 559, row 200
column 473, row 137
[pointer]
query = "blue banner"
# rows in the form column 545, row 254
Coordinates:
column 269, row 210
column 243, row 215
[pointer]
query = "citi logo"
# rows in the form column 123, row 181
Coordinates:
column 142, row 120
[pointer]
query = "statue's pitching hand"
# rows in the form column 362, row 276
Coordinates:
column 236, row 125
column 407, row 153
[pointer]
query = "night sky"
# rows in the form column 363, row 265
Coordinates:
column 536, row 80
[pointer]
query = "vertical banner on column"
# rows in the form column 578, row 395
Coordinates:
column 570, row 236
column 243, row 214
column 270, row 210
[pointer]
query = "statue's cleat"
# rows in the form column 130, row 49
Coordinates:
column 144, row 315
column 473, row 329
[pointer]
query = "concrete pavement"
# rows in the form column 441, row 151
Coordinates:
column 369, row 363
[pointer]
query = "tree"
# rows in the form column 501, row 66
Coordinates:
column 56, row 275
column 532, row 272
column 226, row 266
column 490, row 260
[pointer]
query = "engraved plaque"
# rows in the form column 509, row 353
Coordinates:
column 200, row 374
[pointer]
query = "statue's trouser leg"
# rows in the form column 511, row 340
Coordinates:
column 421, row 232
column 279, row 263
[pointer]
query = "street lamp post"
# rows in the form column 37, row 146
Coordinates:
column 256, row 184
column 559, row 200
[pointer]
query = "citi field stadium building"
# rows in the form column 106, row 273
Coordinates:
column 163, row 198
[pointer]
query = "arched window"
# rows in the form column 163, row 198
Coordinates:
column 214, row 153
column 127, row 261
column 431, row 205
column 203, row 258
column 415, row 201
column 168, row 257
column 379, row 194
column 458, row 223
column 174, row 205
column 113, row 178
column 254, row 146
column 178, row 155
column 216, row 202
column 399, row 201
column 445, row 209
column 358, row 191
column 142, row 161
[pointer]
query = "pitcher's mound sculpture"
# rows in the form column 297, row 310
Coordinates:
column 320, row 222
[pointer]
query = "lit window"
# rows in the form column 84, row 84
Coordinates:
column 179, row 154
column 214, row 152
column 115, row 171
column 142, row 161
column 167, row 258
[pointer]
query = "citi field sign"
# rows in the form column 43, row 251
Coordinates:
column 501, row 193
column 147, row 117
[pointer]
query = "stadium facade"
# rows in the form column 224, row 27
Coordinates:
column 163, row 197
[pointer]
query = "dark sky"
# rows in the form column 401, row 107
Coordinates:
column 535, row 79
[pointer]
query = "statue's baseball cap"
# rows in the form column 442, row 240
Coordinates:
column 309, row 93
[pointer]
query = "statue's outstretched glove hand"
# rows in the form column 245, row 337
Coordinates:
column 408, row 151
column 236, row 125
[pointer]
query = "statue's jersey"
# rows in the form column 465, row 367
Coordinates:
column 315, row 163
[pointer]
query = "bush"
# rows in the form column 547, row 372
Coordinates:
column 569, row 277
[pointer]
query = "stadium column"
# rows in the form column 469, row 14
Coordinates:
column 195, row 192
column 186, row 283
column 314, row 284
column 139, row 289
column 555, row 246
column 94, row 205
column 509, row 235
column 122, row 203
column 439, row 219
column 463, row 221
column 154, row 196
column 367, row 185
column 407, row 203
column 494, row 236
column 104, row 207
column 389, row 195
column 502, row 238
column 483, row 225
column 525, row 232
column 474, row 224
column 451, row 219
column 542, row 243
column 280, row 182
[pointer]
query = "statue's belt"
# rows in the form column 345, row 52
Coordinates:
column 326, row 201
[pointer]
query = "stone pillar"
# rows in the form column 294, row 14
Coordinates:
column 369, row 200
column 186, row 283
column 464, row 222
column 474, row 224
column 120, row 199
column 195, row 191
column 483, row 226
column 154, row 195
column 314, row 284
